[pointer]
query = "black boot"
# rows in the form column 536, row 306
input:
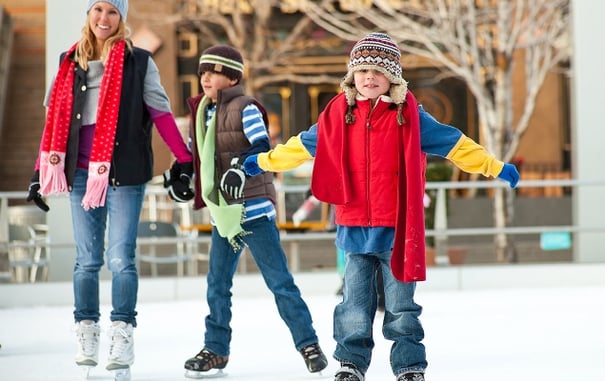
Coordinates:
column 349, row 372
column 314, row 358
column 205, row 363
column 411, row 376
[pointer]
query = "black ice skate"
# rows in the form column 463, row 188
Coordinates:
column 206, row 365
column 314, row 358
column 412, row 376
column 349, row 372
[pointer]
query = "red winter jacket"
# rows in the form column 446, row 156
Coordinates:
column 373, row 172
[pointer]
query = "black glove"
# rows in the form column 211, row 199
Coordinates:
column 234, row 179
column 186, row 169
column 34, row 192
column 177, row 180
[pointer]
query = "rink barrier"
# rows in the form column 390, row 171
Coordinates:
column 294, row 238
column 439, row 279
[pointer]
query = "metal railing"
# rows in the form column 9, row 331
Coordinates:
column 441, row 219
column 441, row 231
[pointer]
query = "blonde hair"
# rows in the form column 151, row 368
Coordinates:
column 87, row 46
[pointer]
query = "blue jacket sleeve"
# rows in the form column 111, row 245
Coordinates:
column 309, row 139
column 449, row 142
column 436, row 138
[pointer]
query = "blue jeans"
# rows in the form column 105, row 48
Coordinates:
column 265, row 247
column 121, row 213
column 354, row 316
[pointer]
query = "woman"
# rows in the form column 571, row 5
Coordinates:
column 96, row 146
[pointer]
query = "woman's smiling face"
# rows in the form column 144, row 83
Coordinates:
column 103, row 20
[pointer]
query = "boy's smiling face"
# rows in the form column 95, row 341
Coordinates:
column 212, row 82
column 371, row 83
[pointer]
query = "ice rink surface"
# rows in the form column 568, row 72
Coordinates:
column 552, row 333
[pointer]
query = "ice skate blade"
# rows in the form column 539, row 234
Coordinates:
column 218, row 373
column 121, row 374
column 85, row 370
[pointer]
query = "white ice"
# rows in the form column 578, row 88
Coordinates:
column 542, row 333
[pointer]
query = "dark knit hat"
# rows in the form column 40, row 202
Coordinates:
column 121, row 5
column 222, row 59
column 376, row 51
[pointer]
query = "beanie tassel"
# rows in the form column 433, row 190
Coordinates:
column 400, row 118
column 349, row 117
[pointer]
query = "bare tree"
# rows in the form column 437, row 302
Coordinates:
column 251, row 26
column 479, row 41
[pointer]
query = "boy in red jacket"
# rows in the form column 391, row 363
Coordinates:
column 370, row 145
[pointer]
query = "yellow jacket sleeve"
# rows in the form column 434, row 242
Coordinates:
column 284, row 156
column 473, row 158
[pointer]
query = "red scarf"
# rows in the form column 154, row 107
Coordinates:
column 330, row 183
column 56, row 129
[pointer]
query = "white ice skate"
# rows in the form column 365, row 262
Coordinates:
column 122, row 374
column 121, row 352
column 87, row 356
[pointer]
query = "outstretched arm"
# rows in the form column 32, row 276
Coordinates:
column 297, row 150
column 473, row 158
column 449, row 142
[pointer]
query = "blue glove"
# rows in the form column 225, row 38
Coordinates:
column 509, row 173
column 251, row 166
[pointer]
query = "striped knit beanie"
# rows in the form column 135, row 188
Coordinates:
column 376, row 51
column 222, row 59
column 121, row 5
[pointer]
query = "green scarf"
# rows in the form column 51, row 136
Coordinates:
column 227, row 218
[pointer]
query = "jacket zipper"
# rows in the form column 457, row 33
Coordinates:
column 367, row 155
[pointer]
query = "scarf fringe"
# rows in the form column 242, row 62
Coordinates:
column 96, row 185
column 52, row 173
column 237, row 242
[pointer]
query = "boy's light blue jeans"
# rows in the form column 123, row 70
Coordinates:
column 265, row 247
column 354, row 316
column 121, row 215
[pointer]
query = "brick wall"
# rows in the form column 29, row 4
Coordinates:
column 24, row 113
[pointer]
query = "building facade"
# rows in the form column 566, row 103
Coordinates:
column 293, row 106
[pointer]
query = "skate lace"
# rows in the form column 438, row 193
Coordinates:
column 211, row 360
column 349, row 373
column 120, row 342
column 88, row 337
column 206, row 355
column 312, row 351
column 414, row 376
